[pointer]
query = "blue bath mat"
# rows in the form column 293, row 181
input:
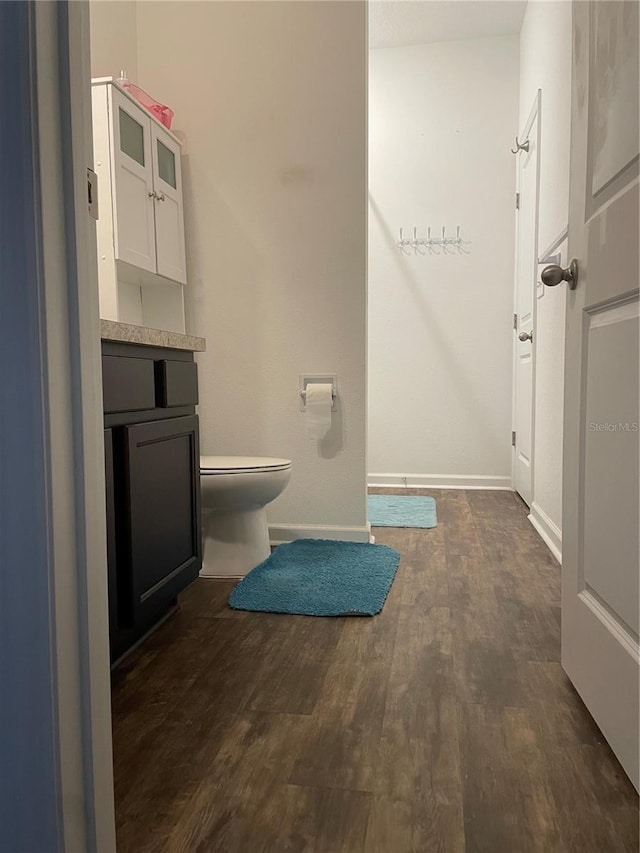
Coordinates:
column 319, row 577
column 401, row 511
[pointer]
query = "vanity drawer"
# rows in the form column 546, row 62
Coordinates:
column 176, row 383
column 127, row 384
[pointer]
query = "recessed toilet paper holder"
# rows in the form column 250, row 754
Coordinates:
column 311, row 379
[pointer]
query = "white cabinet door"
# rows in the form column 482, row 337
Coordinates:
column 133, row 213
column 167, row 183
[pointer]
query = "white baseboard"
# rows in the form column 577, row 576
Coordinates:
column 439, row 481
column 280, row 533
column 547, row 529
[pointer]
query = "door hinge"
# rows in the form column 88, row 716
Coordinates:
column 92, row 193
column 517, row 201
column 513, row 438
column 515, row 321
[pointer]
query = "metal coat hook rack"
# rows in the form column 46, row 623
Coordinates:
column 431, row 245
column 520, row 146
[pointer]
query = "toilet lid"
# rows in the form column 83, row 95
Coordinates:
column 237, row 464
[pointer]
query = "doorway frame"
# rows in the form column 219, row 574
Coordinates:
column 56, row 334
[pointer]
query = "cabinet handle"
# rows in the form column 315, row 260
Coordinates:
column 152, row 194
column 161, row 197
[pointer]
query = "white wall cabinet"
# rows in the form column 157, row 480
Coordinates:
column 141, row 247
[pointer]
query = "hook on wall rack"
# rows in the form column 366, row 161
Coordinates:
column 441, row 245
column 520, row 146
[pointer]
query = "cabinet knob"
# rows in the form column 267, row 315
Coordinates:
column 152, row 194
column 161, row 197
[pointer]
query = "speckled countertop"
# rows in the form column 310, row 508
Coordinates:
column 110, row 330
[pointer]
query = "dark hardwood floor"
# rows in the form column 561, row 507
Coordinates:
column 443, row 724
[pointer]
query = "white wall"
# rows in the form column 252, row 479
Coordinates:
column 113, row 38
column 545, row 63
column 442, row 118
column 271, row 100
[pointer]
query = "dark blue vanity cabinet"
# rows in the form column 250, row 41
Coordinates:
column 152, row 467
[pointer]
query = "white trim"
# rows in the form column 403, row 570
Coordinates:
column 545, row 257
column 611, row 621
column 439, row 481
column 204, row 578
column 91, row 595
column 280, row 533
column 548, row 530
column 62, row 445
column 76, row 449
column 614, row 312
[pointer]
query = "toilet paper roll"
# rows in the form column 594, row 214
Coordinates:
column 318, row 409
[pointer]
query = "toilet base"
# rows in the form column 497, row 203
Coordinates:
column 234, row 542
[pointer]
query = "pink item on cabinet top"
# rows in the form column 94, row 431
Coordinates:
column 160, row 111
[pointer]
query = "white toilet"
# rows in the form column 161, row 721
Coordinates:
column 234, row 493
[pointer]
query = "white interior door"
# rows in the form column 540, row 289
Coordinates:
column 601, row 460
column 525, row 285
column 134, row 232
column 167, row 181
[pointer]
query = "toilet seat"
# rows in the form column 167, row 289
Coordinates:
column 210, row 465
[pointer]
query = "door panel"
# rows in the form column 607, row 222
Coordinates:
column 600, row 651
column 526, row 258
column 611, row 462
column 613, row 91
column 132, row 183
column 167, row 180
column 523, row 424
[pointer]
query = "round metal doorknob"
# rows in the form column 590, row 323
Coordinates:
column 526, row 336
column 554, row 274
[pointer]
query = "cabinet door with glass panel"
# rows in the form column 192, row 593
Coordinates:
column 132, row 176
column 169, row 216
column 148, row 218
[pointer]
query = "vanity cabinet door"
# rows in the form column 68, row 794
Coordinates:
column 167, row 182
column 132, row 176
column 162, row 465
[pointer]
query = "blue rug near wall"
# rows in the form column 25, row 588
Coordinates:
column 320, row 577
column 401, row 511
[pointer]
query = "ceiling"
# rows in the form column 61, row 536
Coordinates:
column 394, row 23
